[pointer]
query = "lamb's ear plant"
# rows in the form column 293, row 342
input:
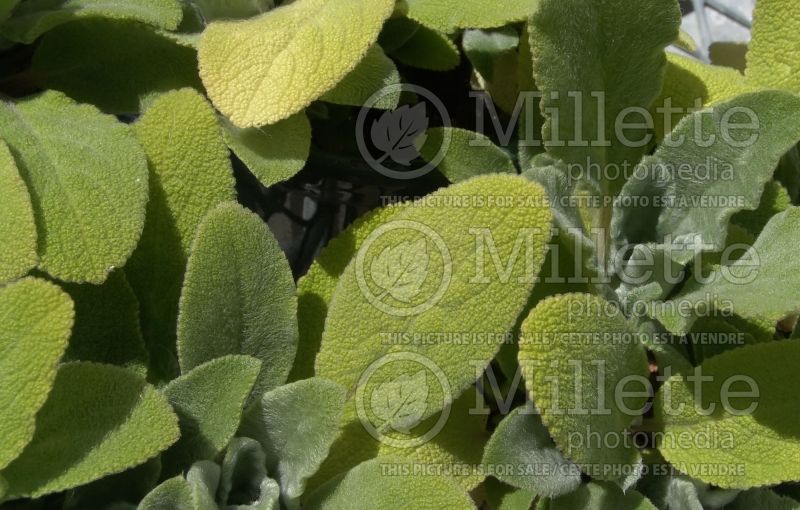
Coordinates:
column 552, row 330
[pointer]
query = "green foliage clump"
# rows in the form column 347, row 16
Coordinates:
column 533, row 335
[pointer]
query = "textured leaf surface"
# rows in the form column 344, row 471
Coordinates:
column 450, row 15
column 238, row 297
column 599, row 496
column 107, row 325
column 362, row 314
column 88, row 183
column 114, row 64
column 765, row 442
column 752, row 292
column 209, row 402
column 700, row 203
column 763, row 499
column 774, row 200
column 190, row 174
column 315, row 289
column 173, row 494
column 272, row 153
column 573, row 54
column 251, row 68
column 244, row 476
column 691, row 84
column 522, row 442
column 467, row 154
column 368, row 486
column 375, row 72
column 773, row 60
column 128, row 487
column 457, row 446
column 98, row 420
column 504, row 497
column 35, row 17
column 296, row 424
column 35, row 322
column 428, row 49
column 18, row 229
column 568, row 344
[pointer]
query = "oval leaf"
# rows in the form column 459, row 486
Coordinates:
column 35, row 322
column 18, row 229
column 98, row 420
column 88, row 182
column 251, row 68
column 238, row 297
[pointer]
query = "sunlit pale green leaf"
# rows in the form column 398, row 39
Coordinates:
column 773, row 60
column 35, row 322
column 18, row 229
column 272, row 153
column 374, row 73
column 450, row 15
column 746, row 406
column 577, row 352
column 98, row 420
column 251, row 69
column 368, row 486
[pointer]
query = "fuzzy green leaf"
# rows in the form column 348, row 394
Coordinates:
column 173, row 494
column 459, row 443
column 272, row 153
column 362, row 313
column 774, row 200
column 315, row 289
column 763, row 499
column 772, row 60
column 238, row 297
column 209, row 402
column 97, row 421
column 375, row 72
column 467, row 154
column 450, row 15
column 483, row 47
column 244, row 475
column 568, row 344
column 114, row 65
column 601, row 496
column 522, row 443
column 755, row 445
column 115, row 491
column 368, row 486
column 296, row 424
column 504, row 497
column 573, row 54
column 753, row 288
column 698, row 205
column 87, row 178
column 427, row 49
column 190, row 174
column 35, row 322
column 35, row 17
column 18, row 230
column 107, row 325
column 251, row 68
